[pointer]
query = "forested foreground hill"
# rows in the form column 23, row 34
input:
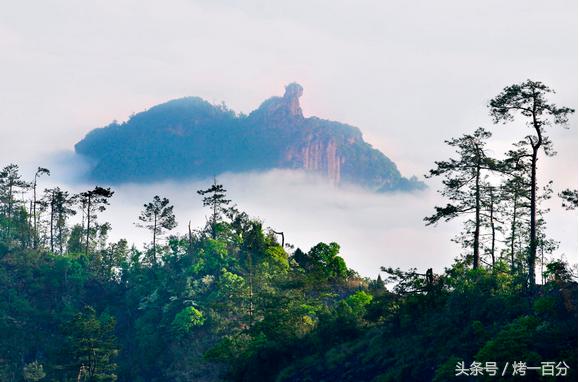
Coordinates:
column 191, row 138
column 229, row 302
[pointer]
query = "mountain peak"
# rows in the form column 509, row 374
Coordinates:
column 283, row 108
column 292, row 94
column 293, row 91
column 192, row 138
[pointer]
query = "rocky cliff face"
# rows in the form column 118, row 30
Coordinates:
column 192, row 138
column 315, row 150
column 318, row 156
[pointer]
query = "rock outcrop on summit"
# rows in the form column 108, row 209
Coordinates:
column 190, row 138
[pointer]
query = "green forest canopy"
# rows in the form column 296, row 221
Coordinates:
column 228, row 301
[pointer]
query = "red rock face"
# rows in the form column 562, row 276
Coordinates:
column 323, row 159
column 317, row 156
column 316, row 151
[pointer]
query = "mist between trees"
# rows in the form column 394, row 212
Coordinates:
column 231, row 300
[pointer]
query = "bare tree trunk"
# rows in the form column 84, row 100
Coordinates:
column 533, row 249
column 533, row 246
column 35, row 233
column 30, row 234
column 52, row 223
column 476, row 257
column 87, row 226
column 513, row 228
column 190, row 238
column 282, row 238
column 250, row 291
column 154, row 240
column 492, row 228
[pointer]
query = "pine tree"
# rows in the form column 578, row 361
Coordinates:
column 10, row 182
column 463, row 184
column 160, row 217
column 217, row 202
column 529, row 100
column 39, row 172
column 91, row 202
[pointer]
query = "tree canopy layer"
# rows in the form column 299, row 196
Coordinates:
column 228, row 302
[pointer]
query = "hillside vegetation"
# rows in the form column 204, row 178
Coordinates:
column 190, row 138
column 232, row 301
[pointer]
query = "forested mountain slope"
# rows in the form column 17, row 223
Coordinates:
column 189, row 137
column 229, row 302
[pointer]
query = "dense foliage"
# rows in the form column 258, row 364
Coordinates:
column 96, row 310
column 228, row 302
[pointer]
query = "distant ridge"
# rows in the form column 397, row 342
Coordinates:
column 191, row 138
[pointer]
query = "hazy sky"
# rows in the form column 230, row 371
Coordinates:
column 409, row 74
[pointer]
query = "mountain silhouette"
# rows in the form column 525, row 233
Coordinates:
column 191, row 138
